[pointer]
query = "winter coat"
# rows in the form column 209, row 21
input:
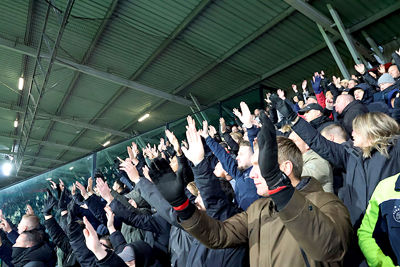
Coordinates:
column 111, row 260
column 318, row 168
column 157, row 228
column 180, row 241
column 61, row 240
column 379, row 233
column 217, row 207
column 144, row 255
column 348, row 114
column 307, row 231
column 245, row 190
column 362, row 174
column 6, row 251
column 321, row 122
column 39, row 254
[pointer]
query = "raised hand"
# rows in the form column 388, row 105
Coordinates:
column 245, row 115
column 89, row 187
column 29, row 210
column 104, row 190
column 49, row 204
column 381, row 69
column 316, row 83
column 146, row 174
column 204, row 131
column 281, row 94
column 360, row 68
column 283, row 108
column 397, row 52
column 195, row 152
column 304, row 86
column 92, row 240
column 110, row 219
column 212, row 131
column 82, row 189
column 222, row 125
column 174, row 141
column 294, row 87
column 127, row 166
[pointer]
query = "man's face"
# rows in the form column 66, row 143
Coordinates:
column 22, row 226
column 383, row 86
column 351, row 84
column 115, row 186
column 235, row 129
column 244, row 157
column 394, row 71
column 358, row 94
column 199, row 203
column 312, row 115
column 255, row 174
column 256, row 112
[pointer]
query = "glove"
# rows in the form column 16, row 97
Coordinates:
column 63, row 201
column 316, row 85
column 72, row 212
column 268, row 152
column 283, row 107
column 279, row 185
column 48, row 204
column 170, row 185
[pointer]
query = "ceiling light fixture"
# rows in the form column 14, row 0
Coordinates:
column 6, row 168
column 71, row 168
column 145, row 116
column 15, row 123
column 106, row 143
column 21, row 83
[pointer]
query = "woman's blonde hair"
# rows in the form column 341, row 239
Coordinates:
column 380, row 129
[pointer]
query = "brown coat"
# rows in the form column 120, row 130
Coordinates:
column 313, row 220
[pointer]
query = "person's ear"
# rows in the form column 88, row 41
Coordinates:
column 286, row 167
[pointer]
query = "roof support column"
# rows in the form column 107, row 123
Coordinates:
column 374, row 46
column 197, row 104
column 334, row 53
column 346, row 36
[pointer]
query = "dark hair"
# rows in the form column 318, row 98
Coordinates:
column 34, row 236
column 287, row 150
column 244, row 143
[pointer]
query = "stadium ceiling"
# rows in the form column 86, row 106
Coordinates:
column 91, row 68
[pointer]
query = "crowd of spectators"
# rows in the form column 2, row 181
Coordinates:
column 307, row 181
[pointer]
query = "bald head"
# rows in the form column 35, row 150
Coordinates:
column 335, row 133
column 342, row 101
column 27, row 223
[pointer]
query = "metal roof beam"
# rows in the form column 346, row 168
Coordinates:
column 23, row 49
column 306, row 54
column 77, row 75
column 264, row 28
column 377, row 16
column 346, row 36
column 48, row 143
column 228, row 54
column 199, row 8
column 334, row 53
column 69, row 121
column 315, row 15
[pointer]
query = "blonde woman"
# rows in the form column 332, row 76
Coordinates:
column 373, row 156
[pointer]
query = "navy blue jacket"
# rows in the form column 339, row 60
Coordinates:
column 362, row 174
column 245, row 190
column 218, row 207
column 5, row 252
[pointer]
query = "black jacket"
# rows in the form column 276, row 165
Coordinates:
column 144, row 255
column 348, row 114
column 61, row 240
column 362, row 174
column 180, row 241
column 218, row 207
column 321, row 122
column 6, row 250
column 40, row 254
